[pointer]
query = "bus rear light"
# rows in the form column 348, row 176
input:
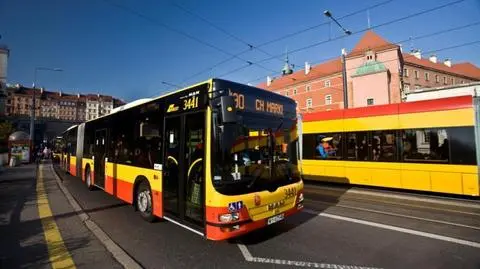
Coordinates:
column 230, row 217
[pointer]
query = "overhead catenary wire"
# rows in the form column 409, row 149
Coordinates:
column 395, row 43
column 248, row 44
column 180, row 32
column 371, row 28
column 283, row 38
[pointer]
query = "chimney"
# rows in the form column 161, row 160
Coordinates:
column 78, row 95
column 41, row 90
column 416, row 53
column 447, row 62
column 60, row 93
column 308, row 67
column 433, row 58
column 269, row 81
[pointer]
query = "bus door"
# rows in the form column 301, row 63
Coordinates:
column 99, row 152
column 183, row 172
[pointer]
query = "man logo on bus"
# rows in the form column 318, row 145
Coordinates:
column 172, row 108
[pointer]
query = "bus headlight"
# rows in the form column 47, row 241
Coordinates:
column 224, row 218
column 300, row 198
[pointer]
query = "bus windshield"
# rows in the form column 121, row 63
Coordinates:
column 257, row 153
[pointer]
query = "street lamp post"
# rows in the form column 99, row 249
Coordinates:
column 33, row 106
column 344, row 68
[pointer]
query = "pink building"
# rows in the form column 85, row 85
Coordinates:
column 378, row 72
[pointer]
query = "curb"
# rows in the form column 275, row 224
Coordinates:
column 407, row 197
column 117, row 252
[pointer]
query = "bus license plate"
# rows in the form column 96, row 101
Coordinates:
column 276, row 218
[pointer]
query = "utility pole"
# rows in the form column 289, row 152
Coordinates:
column 344, row 53
column 344, row 75
column 33, row 106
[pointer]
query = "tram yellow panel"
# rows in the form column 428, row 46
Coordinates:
column 416, row 180
column 470, row 184
column 371, row 123
column 446, row 182
column 451, row 118
column 357, row 175
column 389, row 178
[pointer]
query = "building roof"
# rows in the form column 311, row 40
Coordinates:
column 321, row 70
column 462, row 69
column 371, row 41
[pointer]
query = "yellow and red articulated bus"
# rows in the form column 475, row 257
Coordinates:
column 217, row 158
column 425, row 146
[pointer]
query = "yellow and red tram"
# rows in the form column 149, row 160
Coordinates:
column 426, row 145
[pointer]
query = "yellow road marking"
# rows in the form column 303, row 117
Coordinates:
column 57, row 251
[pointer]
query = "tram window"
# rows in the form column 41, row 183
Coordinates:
column 357, row 146
column 462, row 145
column 383, row 146
column 426, row 145
column 328, row 146
column 308, row 148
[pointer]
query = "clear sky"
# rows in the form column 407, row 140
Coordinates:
column 127, row 51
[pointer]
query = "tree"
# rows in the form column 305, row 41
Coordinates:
column 6, row 128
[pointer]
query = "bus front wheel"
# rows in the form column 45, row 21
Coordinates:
column 144, row 202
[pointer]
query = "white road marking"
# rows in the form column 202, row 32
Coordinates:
column 248, row 257
column 184, row 226
column 410, row 197
column 351, row 199
column 398, row 229
column 397, row 215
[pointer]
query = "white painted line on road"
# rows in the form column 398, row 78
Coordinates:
column 398, row 229
column 396, row 215
column 117, row 252
column 409, row 197
column 184, row 226
column 399, row 203
column 248, row 257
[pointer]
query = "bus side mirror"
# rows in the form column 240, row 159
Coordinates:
column 229, row 113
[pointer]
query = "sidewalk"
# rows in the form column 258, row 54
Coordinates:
column 58, row 238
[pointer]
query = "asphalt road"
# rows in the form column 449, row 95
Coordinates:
column 338, row 229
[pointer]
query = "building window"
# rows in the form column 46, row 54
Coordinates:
column 405, row 72
column 309, row 102
column 407, row 87
column 295, row 91
column 327, row 83
column 307, row 88
column 370, row 101
column 417, row 74
column 444, row 80
column 427, row 76
column 287, row 93
column 328, row 99
column 452, row 80
column 437, row 79
column 417, row 87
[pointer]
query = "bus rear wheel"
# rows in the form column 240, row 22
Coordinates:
column 144, row 202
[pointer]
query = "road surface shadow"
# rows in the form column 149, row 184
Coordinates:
column 22, row 243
